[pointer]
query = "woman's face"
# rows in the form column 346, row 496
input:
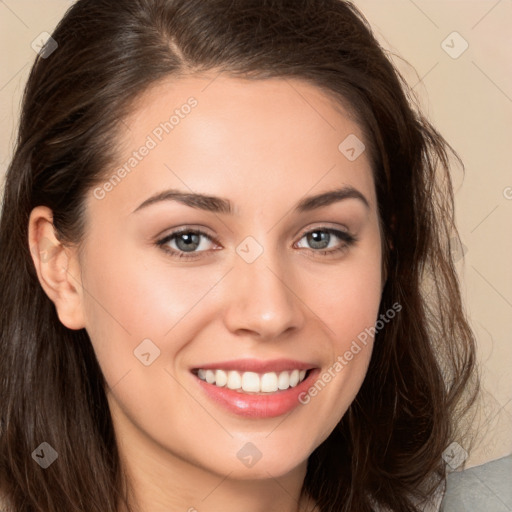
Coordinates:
column 253, row 297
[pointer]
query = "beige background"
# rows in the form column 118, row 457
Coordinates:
column 468, row 98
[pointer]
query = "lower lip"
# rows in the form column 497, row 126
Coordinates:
column 268, row 405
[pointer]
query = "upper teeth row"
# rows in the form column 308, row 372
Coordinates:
column 253, row 382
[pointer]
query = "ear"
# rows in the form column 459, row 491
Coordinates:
column 57, row 268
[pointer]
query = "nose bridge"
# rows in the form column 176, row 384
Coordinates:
column 261, row 297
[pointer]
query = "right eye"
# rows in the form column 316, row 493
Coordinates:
column 185, row 239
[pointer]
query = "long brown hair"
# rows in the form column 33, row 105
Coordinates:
column 387, row 449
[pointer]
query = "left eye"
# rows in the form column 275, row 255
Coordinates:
column 189, row 240
column 321, row 235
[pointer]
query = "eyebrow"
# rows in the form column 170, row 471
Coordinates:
column 220, row 205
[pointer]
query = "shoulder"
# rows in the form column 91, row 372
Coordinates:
column 481, row 488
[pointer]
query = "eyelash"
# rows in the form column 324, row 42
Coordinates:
column 346, row 237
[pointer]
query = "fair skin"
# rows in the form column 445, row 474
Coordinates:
column 265, row 146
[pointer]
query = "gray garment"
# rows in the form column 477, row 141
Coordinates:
column 485, row 488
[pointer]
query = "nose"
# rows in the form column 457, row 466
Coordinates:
column 263, row 299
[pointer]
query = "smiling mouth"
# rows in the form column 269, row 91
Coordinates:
column 252, row 382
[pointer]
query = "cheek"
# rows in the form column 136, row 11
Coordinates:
column 347, row 295
column 347, row 301
column 143, row 296
column 350, row 300
column 124, row 305
column 131, row 297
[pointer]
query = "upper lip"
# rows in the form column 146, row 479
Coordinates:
column 257, row 365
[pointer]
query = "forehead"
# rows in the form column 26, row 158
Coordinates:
column 214, row 133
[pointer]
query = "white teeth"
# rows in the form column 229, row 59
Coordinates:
column 251, row 382
column 234, row 380
column 283, row 381
column 269, row 382
column 221, row 378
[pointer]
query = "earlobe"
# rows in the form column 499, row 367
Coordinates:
column 57, row 268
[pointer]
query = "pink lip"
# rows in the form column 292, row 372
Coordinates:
column 257, row 366
column 258, row 405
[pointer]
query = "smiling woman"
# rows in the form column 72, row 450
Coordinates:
column 226, row 271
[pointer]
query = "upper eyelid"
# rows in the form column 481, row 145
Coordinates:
column 205, row 231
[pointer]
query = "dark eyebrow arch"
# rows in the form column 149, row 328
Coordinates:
column 220, row 205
